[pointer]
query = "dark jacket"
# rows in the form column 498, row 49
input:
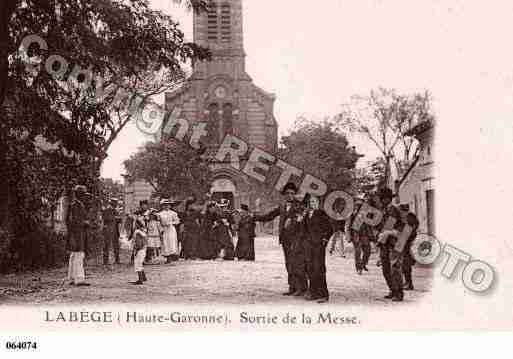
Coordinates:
column 317, row 227
column 246, row 227
column 390, row 212
column 77, row 226
column 290, row 224
column 364, row 231
column 190, row 221
column 411, row 219
column 111, row 221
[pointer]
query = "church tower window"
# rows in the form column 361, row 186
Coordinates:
column 220, row 121
column 213, row 127
column 212, row 20
column 227, row 119
column 225, row 23
column 219, row 22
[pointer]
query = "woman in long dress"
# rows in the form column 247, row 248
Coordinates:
column 208, row 247
column 168, row 220
column 191, row 233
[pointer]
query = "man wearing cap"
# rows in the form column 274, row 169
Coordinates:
column 290, row 227
column 111, row 222
column 391, row 260
column 408, row 260
column 77, row 224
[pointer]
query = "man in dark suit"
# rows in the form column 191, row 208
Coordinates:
column 246, row 232
column 289, row 233
column 77, row 223
column 408, row 261
column 111, row 222
column 317, row 232
column 391, row 259
column 361, row 240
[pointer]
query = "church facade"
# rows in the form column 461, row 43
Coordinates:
column 221, row 94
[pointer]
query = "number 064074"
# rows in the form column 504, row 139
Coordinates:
column 20, row 345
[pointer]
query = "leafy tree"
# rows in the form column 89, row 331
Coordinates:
column 370, row 177
column 383, row 117
column 171, row 168
column 321, row 150
column 102, row 33
column 124, row 43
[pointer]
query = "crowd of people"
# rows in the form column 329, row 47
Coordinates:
column 208, row 232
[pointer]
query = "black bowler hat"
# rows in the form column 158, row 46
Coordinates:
column 289, row 187
column 244, row 207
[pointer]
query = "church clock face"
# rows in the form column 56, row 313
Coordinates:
column 220, row 92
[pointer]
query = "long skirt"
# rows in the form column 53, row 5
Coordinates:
column 208, row 248
column 170, row 242
column 154, row 241
column 245, row 248
column 190, row 244
column 225, row 242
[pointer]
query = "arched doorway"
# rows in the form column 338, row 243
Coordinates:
column 224, row 188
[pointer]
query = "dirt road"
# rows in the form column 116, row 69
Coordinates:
column 205, row 282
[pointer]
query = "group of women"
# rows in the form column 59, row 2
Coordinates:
column 197, row 233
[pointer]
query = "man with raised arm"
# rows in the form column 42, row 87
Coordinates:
column 290, row 213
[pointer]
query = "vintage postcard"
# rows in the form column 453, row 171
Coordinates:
column 242, row 165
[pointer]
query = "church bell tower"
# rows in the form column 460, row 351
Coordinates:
column 220, row 29
column 221, row 94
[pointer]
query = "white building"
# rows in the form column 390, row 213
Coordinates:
column 418, row 189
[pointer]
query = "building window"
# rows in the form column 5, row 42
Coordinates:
column 213, row 124
column 226, row 23
column 220, row 123
column 219, row 22
column 212, row 22
column 227, row 119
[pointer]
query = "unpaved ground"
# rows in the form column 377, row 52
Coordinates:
column 205, row 282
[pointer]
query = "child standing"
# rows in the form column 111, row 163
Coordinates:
column 140, row 244
column 153, row 237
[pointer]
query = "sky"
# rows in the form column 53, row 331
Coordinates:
column 315, row 55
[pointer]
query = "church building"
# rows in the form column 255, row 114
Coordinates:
column 222, row 94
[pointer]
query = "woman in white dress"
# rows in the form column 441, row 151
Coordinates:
column 168, row 220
